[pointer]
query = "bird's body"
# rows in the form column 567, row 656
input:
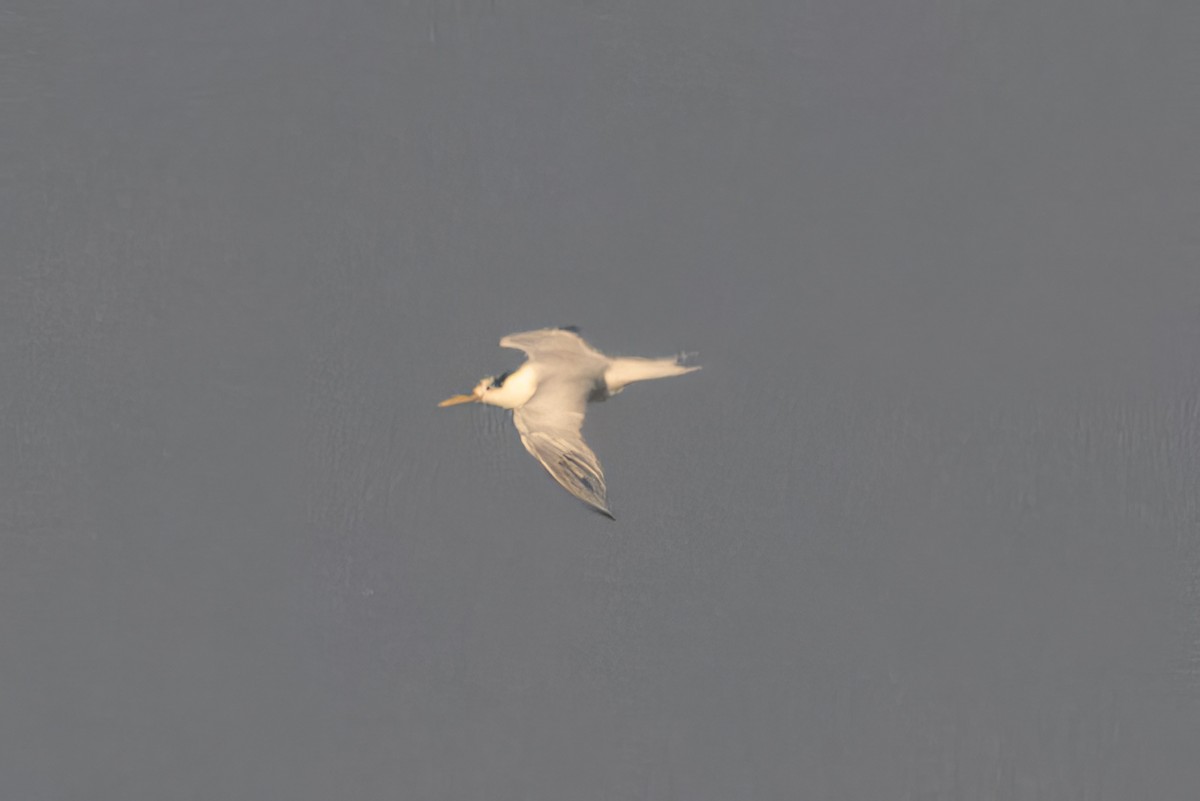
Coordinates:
column 548, row 395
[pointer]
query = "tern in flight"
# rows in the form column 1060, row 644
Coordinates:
column 548, row 395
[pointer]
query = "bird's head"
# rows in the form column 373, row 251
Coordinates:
column 483, row 392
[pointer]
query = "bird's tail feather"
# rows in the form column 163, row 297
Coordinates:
column 626, row 370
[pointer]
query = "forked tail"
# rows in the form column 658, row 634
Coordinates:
column 624, row 371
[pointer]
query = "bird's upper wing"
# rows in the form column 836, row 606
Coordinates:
column 550, row 424
column 552, row 344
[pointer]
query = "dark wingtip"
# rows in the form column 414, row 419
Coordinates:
column 600, row 510
column 574, row 329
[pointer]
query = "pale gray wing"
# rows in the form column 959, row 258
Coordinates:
column 550, row 427
column 554, row 345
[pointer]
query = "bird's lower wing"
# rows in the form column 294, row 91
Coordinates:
column 566, row 457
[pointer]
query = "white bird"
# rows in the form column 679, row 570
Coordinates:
column 548, row 395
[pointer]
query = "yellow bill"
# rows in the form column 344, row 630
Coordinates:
column 457, row 399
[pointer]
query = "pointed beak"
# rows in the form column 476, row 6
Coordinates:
column 457, row 399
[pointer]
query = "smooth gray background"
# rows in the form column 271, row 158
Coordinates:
column 924, row 528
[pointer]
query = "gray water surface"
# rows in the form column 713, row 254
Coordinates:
column 925, row 526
